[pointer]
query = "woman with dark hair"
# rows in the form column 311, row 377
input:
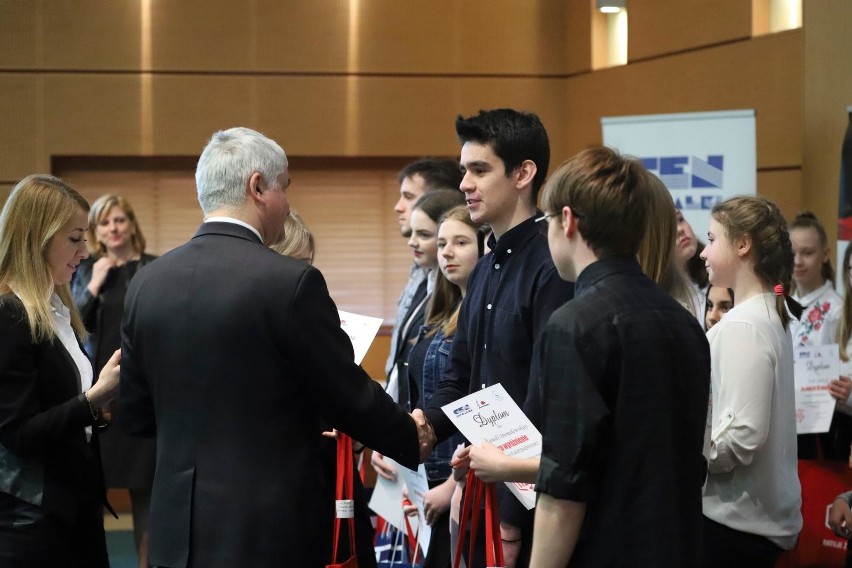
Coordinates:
column 719, row 301
column 51, row 485
column 99, row 286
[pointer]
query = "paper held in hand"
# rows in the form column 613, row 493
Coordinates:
column 361, row 331
column 814, row 369
column 492, row 415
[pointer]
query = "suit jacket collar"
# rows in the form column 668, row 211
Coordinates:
column 226, row 229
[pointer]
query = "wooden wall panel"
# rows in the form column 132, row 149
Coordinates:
column 125, row 114
column 827, row 94
column 658, row 28
column 767, row 76
column 578, row 35
column 5, row 190
column 784, row 187
column 96, row 34
column 294, row 36
column 22, row 123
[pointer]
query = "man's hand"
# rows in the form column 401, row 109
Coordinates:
column 840, row 518
column 383, row 468
column 425, row 434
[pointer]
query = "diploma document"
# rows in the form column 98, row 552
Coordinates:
column 361, row 331
column 492, row 415
column 814, row 368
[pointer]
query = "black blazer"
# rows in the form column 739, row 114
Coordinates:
column 45, row 458
column 232, row 355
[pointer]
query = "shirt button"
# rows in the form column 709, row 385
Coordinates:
column 509, row 251
column 488, row 307
column 496, row 267
column 485, row 346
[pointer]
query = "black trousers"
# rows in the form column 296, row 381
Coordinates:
column 31, row 538
column 724, row 547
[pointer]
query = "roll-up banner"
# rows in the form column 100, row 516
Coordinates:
column 844, row 212
column 702, row 157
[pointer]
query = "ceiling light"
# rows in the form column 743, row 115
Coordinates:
column 610, row 6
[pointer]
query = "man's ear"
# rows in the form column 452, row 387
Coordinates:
column 254, row 186
column 526, row 173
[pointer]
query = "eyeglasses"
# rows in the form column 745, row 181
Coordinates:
column 543, row 222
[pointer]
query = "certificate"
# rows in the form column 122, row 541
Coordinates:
column 492, row 415
column 418, row 486
column 387, row 497
column 361, row 331
column 815, row 368
column 386, row 500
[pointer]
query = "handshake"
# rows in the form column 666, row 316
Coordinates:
column 425, row 434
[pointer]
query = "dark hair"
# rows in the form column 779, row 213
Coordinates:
column 609, row 194
column 437, row 173
column 707, row 301
column 844, row 328
column 513, row 136
column 761, row 220
column 807, row 220
column 436, row 203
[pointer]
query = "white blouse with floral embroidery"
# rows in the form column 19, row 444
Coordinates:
column 820, row 317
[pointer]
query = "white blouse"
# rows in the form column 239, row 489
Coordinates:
column 753, row 484
column 820, row 316
column 62, row 322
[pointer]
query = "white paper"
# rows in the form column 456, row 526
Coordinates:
column 386, row 500
column 387, row 497
column 361, row 331
column 418, row 486
column 492, row 415
column 815, row 368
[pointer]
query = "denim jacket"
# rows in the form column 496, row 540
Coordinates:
column 438, row 463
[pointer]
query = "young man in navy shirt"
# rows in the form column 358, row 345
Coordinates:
column 512, row 290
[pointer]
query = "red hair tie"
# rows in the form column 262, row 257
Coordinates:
column 779, row 290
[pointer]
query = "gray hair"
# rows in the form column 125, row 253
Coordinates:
column 229, row 160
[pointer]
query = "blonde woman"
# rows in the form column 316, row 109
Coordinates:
column 98, row 287
column 298, row 240
column 51, row 487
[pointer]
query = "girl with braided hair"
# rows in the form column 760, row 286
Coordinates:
column 752, row 500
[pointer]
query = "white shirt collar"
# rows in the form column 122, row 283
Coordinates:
column 813, row 296
column 235, row 222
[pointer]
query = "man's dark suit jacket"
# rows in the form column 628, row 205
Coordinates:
column 232, row 355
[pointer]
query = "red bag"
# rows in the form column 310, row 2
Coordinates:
column 822, row 481
column 345, row 505
column 471, row 504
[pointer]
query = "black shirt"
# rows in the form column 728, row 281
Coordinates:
column 624, row 394
column 511, row 293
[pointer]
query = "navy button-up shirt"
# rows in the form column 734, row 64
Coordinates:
column 511, row 293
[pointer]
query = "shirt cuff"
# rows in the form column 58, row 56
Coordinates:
column 562, row 484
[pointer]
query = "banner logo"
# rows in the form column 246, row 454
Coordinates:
column 688, row 172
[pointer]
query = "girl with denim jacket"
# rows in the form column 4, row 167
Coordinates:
column 460, row 245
